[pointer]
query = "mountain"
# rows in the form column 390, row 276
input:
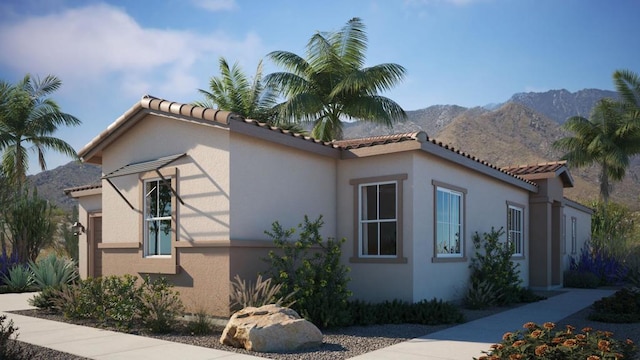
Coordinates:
column 559, row 105
column 51, row 183
column 520, row 131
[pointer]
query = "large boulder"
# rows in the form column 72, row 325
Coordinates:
column 270, row 328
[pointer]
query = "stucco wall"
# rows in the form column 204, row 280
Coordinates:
column 86, row 205
column 486, row 207
column 421, row 277
column 583, row 234
column 271, row 182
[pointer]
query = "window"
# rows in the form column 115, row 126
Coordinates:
column 157, row 217
column 574, row 229
column 449, row 229
column 564, row 234
column 515, row 234
column 378, row 219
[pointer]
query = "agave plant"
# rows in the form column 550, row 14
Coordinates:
column 18, row 278
column 53, row 271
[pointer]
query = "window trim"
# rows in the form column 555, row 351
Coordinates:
column 162, row 264
column 574, row 235
column 515, row 206
column 563, row 231
column 147, row 220
column 462, row 257
column 357, row 184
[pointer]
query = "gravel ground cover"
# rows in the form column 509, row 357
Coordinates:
column 347, row 342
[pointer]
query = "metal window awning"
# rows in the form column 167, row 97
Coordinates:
column 144, row 166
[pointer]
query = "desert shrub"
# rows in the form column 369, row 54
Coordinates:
column 606, row 267
column 545, row 342
column 120, row 299
column 481, row 294
column 53, row 271
column 311, row 268
column 10, row 348
column 492, row 264
column 614, row 228
column 161, row 305
column 621, row 307
column 582, row 280
column 7, row 262
column 200, row 324
column 261, row 293
column 45, row 298
column 18, row 278
column 426, row 312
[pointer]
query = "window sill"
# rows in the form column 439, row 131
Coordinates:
column 373, row 260
column 517, row 257
column 448, row 259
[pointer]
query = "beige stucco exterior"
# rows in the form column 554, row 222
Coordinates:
column 238, row 177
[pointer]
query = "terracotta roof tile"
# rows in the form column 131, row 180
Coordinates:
column 536, row 168
column 420, row 136
column 68, row 191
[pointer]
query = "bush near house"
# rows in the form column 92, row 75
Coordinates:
column 608, row 269
column 494, row 277
column 546, row 342
column 311, row 268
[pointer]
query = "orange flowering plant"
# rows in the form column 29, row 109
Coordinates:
column 546, row 342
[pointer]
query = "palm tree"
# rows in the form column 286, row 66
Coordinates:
column 331, row 85
column 627, row 85
column 600, row 140
column 28, row 116
column 234, row 92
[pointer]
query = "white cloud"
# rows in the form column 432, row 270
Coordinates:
column 102, row 44
column 215, row 5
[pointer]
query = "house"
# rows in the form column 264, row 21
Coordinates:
column 187, row 192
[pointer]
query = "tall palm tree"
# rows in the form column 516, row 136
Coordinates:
column 29, row 117
column 600, row 140
column 627, row 85
column 233, row 91
column 331, row 84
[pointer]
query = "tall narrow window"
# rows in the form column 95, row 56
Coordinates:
column 564, row 234
column 157, row 217
column 378, row 219
column 574, row 235
column 449, row 223
column 515, row 229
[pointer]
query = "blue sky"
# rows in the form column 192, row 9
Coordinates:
column 465, row 52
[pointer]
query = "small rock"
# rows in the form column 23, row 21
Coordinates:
column 270, row 328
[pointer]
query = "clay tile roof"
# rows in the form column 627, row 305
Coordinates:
column 286, row 132
column 154, row 103
column 420, row 136
column 536, row 168
column 544, row 170
column 68, row 191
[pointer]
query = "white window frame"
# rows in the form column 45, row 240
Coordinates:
column 147, row 220
column 515, row 229
column 377, row 220
column 460, row 233
column 574, row 235
column 564, row 233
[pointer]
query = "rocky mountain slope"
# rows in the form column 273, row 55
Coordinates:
column 51, row 183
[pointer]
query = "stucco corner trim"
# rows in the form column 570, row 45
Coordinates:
column 375, row 260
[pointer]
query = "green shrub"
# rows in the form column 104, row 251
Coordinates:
column 53, row 271
column 582, row 280
column 261, row 293
column 120, row 299
column 10, row 348
column 621, row 307
column 481, row 294
column 200, row 324
column 543, row 342
column 18, row 278
column 161, row 305
column 492, row 264
column 311, row 268
column 433, row 312
column 45, row 298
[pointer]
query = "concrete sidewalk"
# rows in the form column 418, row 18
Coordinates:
column 459, row 342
